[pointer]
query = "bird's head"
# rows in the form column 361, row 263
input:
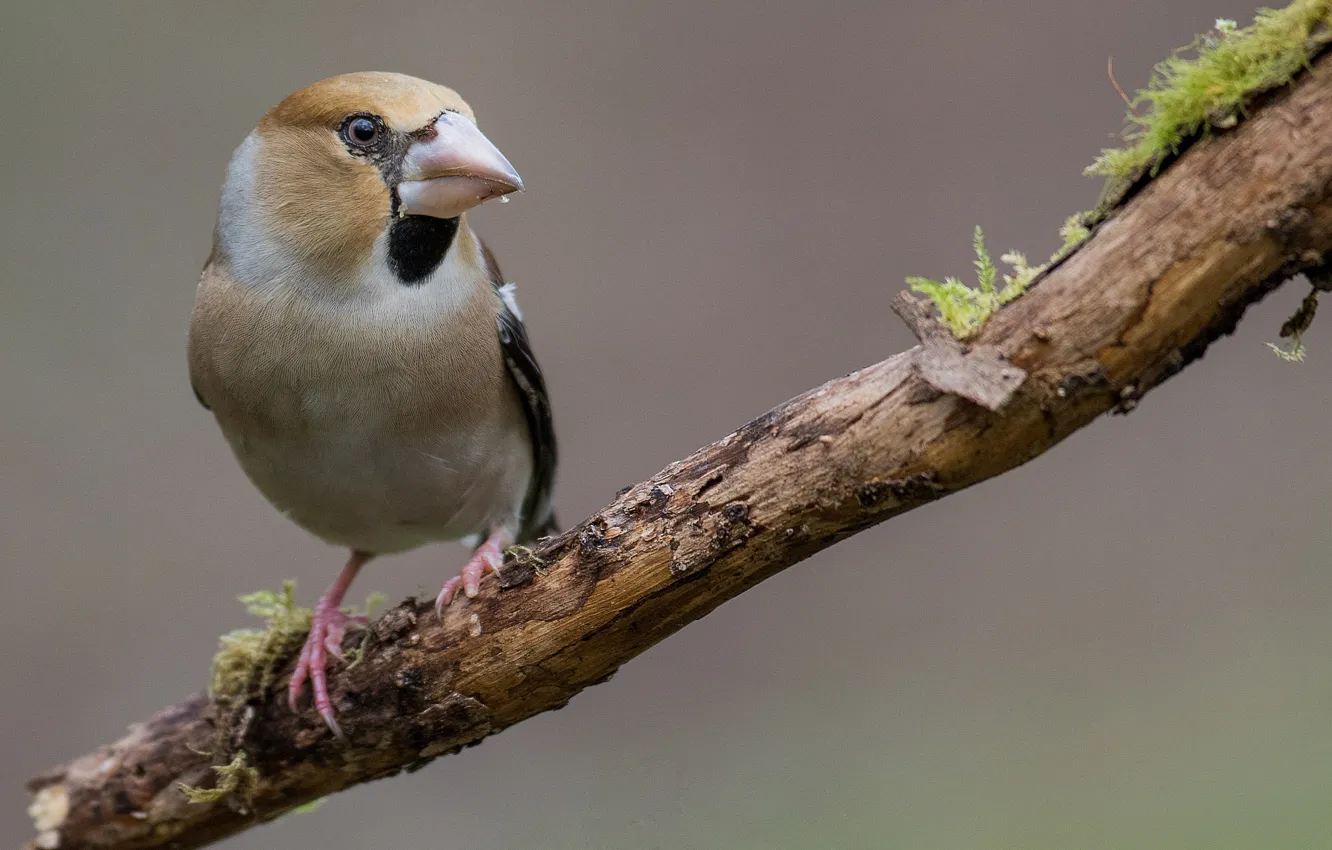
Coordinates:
column 356, row 168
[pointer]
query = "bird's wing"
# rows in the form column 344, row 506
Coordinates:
column 194, row 381
column 538, row 516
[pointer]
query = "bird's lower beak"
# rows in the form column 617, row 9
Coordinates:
column 453, row 170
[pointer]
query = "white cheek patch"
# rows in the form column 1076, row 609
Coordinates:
column 509, row 293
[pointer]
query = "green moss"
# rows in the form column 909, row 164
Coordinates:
column 236, row 778
column 247, row 659
column 1208, row 83
column 1074, row 231
column 1202, row 86
column 965, row 309
column 246, row 663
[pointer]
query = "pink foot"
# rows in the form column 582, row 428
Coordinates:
column 327, row 628
column 488, row 555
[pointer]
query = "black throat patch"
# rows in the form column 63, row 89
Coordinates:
column 417, row 245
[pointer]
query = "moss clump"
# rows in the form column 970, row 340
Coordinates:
column 236, row 778
column 965, row 309
column 1204, row 85
column 243, row 669
column 1208, row 83
column 247, row 659
column 246, row 663
column 1074, row 231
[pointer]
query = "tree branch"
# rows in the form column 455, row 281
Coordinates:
column 1172, row 270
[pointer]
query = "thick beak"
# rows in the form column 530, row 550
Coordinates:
column 453, row 170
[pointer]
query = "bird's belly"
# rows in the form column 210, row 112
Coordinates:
column 374, row 491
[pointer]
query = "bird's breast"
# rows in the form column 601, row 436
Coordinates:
column 377, row 426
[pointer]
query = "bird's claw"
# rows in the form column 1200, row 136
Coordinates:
column 328, row 627
column 488, row 556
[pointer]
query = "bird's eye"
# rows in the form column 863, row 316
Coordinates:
column 361, row 131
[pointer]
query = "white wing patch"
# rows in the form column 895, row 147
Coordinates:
column 508, row 292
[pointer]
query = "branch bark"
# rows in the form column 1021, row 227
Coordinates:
column 1172, row 270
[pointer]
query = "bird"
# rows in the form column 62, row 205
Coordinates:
column 358, row 346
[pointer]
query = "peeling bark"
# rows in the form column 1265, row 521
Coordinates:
column 1169, row 272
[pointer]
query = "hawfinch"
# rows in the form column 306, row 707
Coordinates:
column 358, row 346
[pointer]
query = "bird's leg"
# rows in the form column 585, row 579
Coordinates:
column 327, row 627
column 489, row 554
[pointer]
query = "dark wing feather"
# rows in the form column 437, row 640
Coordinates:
column 538, row 516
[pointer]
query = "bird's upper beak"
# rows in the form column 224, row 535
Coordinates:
column 453, row 170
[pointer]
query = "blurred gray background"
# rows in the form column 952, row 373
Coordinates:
column 1126, row 643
